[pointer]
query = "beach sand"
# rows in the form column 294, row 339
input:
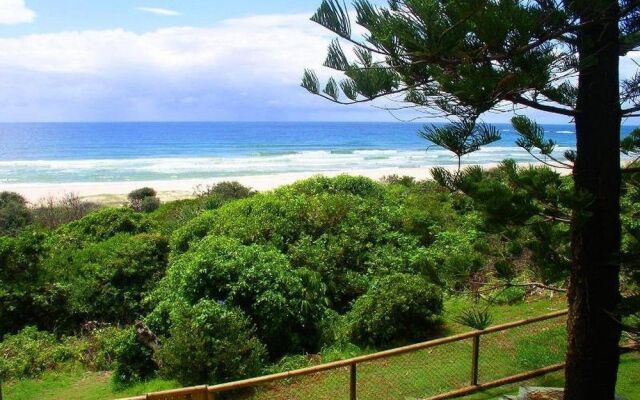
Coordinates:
column 113, row 193
column 116, row 192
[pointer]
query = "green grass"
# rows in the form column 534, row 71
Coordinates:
column 431, row 371
column 408, row 376
column 77, row 385
column 628, row 381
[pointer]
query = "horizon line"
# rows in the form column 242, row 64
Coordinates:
column 266, row 121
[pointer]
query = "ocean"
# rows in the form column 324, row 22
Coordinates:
column 114, row 152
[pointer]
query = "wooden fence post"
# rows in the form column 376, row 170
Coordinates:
column 352, row 386
column 475, row 355
column 210, row 395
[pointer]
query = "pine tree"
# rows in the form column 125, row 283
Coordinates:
column 462, row 58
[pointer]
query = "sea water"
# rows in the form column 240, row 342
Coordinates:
column 112, row 152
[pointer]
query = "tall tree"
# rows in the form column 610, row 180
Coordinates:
column 462, row 58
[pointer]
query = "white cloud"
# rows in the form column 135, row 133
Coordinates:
column 14, row 12
column 240, row 69
column 279, row 47
column 160, row 11
column 246, row 68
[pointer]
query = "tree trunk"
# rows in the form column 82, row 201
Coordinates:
column 594, row 294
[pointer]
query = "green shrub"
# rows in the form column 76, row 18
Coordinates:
column 225, row 191
column 397, row 308
column 426, row 210
column 334, row 329
column 455, row 257
column 133, row 360
column 97, row 348
column 214, row 196
column 395, row 179
column 286, row 305
column 341, row 351
column 143, row 200
column 29, row 353
column 210, row 344
column 28, row 294
column 259, row 280
column 517, row 200
column 289, row 363
column 149, row 204
column 262, row 219
column 505, row 270
column 508, row 295
column 630, row 218
column 342, row 184
column 192, row 231
column 475, row 318
column 347, row 229
column 550, row 247
column 107, row 281
column 14, row 214
column 141, row 193
column 173, row 214
column 339, row 235
column 208, row 269
column 102, row 225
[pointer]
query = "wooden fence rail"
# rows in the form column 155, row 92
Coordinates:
column 209, row 392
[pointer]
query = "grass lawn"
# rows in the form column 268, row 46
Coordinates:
column 628, row 381
column 77, row 385
column 408, row 376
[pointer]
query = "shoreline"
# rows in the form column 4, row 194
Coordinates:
column 168, row 190
column 112, row 193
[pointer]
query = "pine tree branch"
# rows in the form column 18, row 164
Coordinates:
column 631, row 110
column 368, row 99
column 541, row 286
column 538, row 285
column 549, row 218
column 518, row 99
column 356, row 43
column 548, row 164
column 630, row 7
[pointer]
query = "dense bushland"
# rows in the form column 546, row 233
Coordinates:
column 14, row 214
column 225, row 285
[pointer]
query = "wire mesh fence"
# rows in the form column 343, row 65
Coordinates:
column 438, row 369
column 417, row 374
column 324, row 385
column 522, row 348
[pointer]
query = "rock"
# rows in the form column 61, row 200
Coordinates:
column 538, row 393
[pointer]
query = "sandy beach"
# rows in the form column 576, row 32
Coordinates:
column 113, row 193
column 104, row 162
column 116, row 192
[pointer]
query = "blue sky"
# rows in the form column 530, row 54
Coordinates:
column 62, row 15
column 167, row 60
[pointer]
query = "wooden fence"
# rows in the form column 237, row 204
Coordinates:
column 211, row 392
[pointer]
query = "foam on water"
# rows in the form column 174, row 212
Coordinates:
column 163, row 168
column 113, row 152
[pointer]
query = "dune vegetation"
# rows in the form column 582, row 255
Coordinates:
column 234, row 283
